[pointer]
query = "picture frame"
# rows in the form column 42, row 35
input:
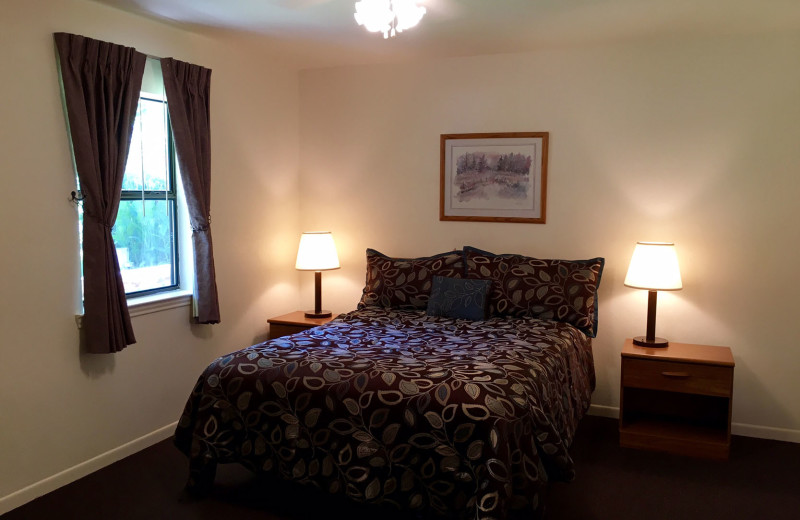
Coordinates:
column 494, row 177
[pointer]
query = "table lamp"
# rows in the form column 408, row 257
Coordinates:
column 654, row 266
column 317, row 252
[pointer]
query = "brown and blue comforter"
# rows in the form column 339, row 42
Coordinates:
column 461, row 418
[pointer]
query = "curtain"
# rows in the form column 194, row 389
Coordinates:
column 188, row 90
column 101, row 83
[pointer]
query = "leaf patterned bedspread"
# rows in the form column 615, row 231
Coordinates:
column 459, row 418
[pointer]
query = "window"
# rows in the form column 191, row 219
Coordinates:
column 146, row 230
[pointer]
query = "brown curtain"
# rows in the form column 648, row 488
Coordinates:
column 101, row 83
column 188, row 90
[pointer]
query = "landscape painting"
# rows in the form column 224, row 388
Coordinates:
column 497, row 177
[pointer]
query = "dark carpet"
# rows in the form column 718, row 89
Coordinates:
column 760, row 481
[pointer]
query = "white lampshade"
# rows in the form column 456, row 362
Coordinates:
column 654, row 266
column 317, row 252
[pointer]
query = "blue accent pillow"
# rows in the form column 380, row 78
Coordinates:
column 458, row 298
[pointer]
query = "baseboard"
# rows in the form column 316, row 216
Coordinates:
column 765, row 432
column 26, row 494
column 745, row 430
column 611, row 412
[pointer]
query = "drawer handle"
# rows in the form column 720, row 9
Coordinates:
column 676, row 375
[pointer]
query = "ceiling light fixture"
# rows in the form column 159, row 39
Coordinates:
column 388, row 16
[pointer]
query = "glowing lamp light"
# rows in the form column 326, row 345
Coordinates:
column 388, row 16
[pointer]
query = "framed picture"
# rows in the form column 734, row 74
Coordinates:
column 498, row 177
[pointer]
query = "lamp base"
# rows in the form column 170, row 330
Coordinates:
column 642, row 341
column 320, row 314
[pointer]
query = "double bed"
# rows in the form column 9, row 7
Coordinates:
column 409, row 406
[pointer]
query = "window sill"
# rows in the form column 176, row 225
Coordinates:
column 159, row 302
column 154, row 303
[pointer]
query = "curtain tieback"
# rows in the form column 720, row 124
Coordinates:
column 204, row 227
column 98, row 221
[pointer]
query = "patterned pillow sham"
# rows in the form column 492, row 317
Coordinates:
column 459, row 298
column 559, row 290
column 405, row 283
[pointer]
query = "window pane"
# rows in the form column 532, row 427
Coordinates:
column 143, row 238
column 148, row 154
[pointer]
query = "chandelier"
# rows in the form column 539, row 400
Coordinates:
column 388, row 16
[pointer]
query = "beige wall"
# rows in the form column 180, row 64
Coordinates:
column 59, row 408
column 687, row 140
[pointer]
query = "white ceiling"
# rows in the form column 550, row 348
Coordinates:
column 317, row 33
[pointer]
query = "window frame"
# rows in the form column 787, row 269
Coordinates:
column 171, row 196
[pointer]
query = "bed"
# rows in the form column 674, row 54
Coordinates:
column 420, row 408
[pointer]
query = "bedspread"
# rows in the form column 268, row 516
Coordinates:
column 459, row 417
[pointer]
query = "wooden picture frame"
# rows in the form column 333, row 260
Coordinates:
column 494, row 177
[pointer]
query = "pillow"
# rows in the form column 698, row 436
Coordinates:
column 560, row 290
column 459, row 298
column 405, row 283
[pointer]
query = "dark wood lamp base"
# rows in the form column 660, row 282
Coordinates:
column 318, row 314
column 650, row 340
column 642, row 341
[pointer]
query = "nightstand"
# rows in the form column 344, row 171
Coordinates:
column 677, row 399
column 293, row 323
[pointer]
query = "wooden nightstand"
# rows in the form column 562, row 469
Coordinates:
column 293, row 323
column 677, row 399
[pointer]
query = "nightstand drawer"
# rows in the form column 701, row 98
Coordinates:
column 677, row 377
column 278, row 330
column 293, row 323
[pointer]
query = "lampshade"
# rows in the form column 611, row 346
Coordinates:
column 317, row 252
column 654, row 266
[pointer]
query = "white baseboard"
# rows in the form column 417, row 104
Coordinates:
column 37, row 489
column 611, row 412
column 765, row 432
column 745, row 430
